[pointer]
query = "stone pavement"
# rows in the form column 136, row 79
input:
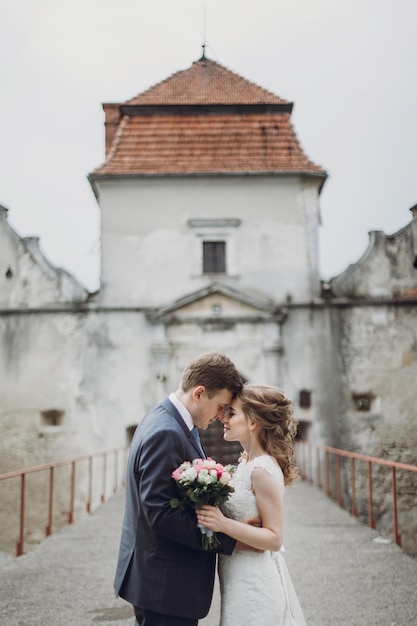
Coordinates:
column 343, row 573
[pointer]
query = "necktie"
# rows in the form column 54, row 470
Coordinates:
column 195, row 435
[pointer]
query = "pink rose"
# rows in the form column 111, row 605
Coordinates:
column 225, row 478
column 176, row 474
column 198, row 466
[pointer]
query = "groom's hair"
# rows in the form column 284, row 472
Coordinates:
column 214, row 371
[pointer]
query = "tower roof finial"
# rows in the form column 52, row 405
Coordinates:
column 204, row 44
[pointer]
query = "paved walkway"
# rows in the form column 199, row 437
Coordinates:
column 342, row 575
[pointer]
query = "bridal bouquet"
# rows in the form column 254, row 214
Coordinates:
column 202, row 482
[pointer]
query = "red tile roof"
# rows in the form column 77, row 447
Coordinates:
column 206, row 82
column 203, row 120
column 203, row 143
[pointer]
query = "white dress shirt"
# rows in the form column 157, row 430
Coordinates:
column 184, row 412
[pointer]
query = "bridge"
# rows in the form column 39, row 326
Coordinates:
column 343, row 571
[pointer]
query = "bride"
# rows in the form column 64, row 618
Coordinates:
column 255, row 585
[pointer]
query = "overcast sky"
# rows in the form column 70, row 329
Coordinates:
column 349, row 66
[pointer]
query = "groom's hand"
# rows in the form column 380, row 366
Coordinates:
column 252, row 521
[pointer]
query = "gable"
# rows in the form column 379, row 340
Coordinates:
column 216, row 302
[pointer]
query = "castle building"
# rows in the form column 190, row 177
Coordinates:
column 209, row 223
column 209, row 241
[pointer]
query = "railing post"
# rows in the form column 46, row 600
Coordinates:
column 371, row 522
column 116, row 462
column 319, row 485
column 302, row 448
column 20, row 543
column 72, row 495
column 397, row 536
column 339, row 481
column 310, row 464
column 90, row 484
column 48, row 529
column 103, row 489
column 327, row 459
column 353, row 507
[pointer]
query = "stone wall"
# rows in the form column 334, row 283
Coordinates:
column 379, row 404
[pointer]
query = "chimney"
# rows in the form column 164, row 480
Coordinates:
column 112, row 114
column 414, row 230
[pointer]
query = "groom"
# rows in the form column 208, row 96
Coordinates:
column 162, row 569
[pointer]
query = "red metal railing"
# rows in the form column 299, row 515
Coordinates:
column 73, row 464
column 311, row 466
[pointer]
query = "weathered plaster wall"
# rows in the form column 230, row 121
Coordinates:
column 101, row 364
column 387, row 269
column 145, row 226
column 27, row 279
column 379, row 352
column 94, row 370
column 311, row 363
column 378, row 347
column 41, row 358
column 95, row 367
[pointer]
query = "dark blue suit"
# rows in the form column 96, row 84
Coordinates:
column 162, row 567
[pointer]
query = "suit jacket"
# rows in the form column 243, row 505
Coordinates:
column 162, row 566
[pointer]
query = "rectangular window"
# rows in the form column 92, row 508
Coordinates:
column 214, row 257
column 305, row 399
column 363, row 402
column 53, row 417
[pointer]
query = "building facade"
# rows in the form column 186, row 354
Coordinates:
column 209, row 241
column 209, row 223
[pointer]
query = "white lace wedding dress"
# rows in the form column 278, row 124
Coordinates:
column 256, row 589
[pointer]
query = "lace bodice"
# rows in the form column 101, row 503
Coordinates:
column 242, row 503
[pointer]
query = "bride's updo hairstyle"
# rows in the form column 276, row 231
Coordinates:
column 272, row 411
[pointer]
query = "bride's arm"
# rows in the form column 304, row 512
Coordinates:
column 269, row 503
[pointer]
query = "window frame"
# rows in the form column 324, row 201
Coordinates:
column 216, row 230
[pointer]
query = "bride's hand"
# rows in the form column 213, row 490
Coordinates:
column 211, row 517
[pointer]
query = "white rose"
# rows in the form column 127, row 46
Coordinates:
column 189, row 475
column 204, row 477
